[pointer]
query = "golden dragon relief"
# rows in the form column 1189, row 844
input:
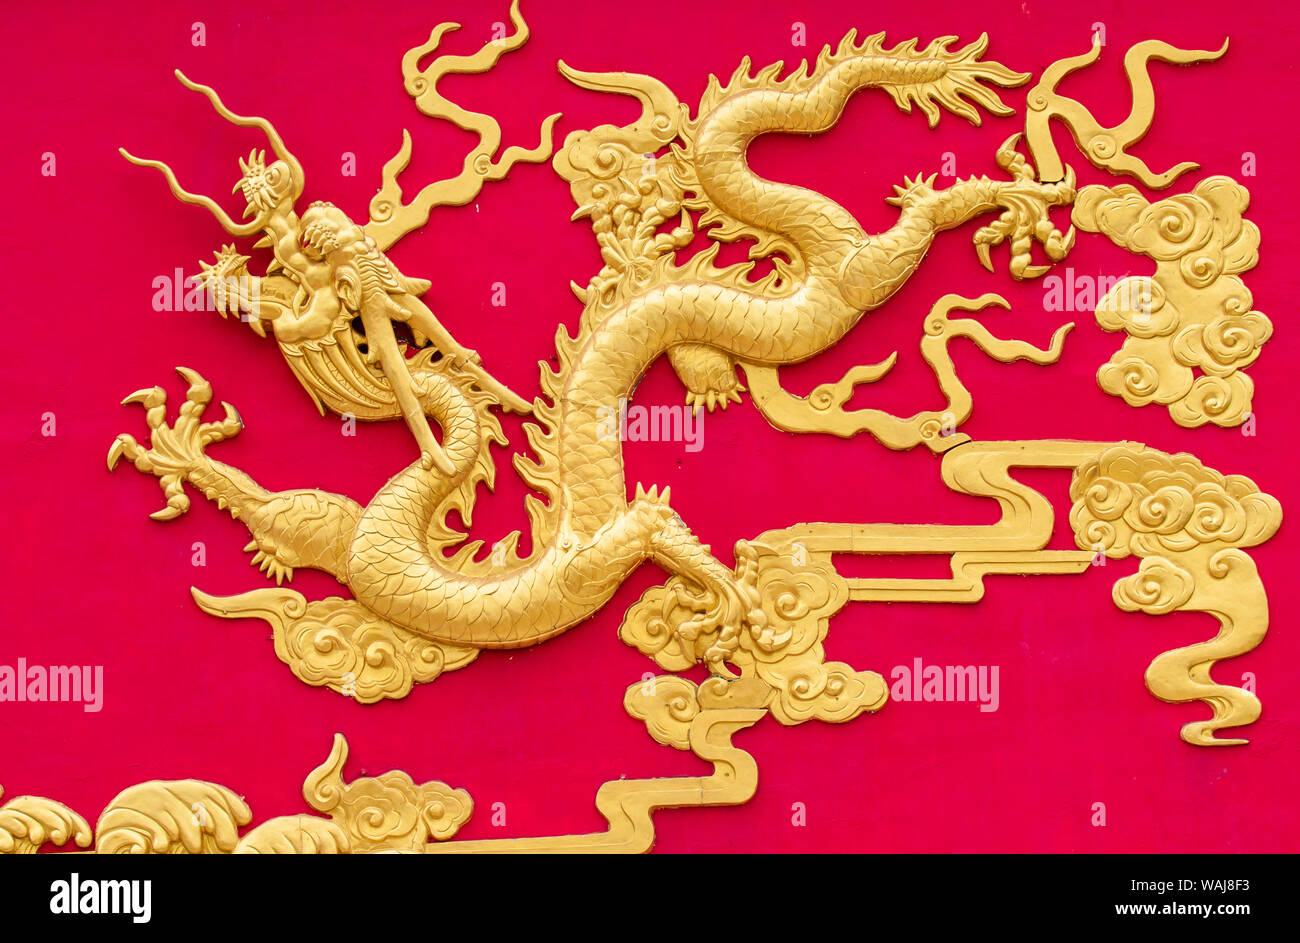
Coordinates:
column 346, row 319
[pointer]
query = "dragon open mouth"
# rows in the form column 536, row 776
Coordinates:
column 408, row 342
column 342, row 369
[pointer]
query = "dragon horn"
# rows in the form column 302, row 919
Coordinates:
column 244, row 121
column 194, row 199
column 660, row 109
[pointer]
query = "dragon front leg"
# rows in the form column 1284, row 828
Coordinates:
column 708, row 374
column 1024, row 219
column 302, row 528
column 1024, row 203
column 256, row 300
column 715, row 604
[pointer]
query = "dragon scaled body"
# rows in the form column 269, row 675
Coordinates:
column 587, row 535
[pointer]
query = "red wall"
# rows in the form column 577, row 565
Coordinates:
column 90, row 580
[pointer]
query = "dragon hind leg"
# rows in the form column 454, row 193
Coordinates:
column 721, row 603
column 725, row 602
column 290, row 529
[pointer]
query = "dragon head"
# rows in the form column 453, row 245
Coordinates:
column 331, row 297
column 266, row 189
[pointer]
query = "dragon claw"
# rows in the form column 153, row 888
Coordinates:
column 1024, row 220
column 269, row 564
column 174, row 452
column 713, row 399
column 732, row 610
column 1011, row 160
column 172, row 511
column 200, row 390
column 717, row 394
column 1065, row 244
column 150, row 397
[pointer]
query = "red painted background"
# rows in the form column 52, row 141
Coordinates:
column 88, row 579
